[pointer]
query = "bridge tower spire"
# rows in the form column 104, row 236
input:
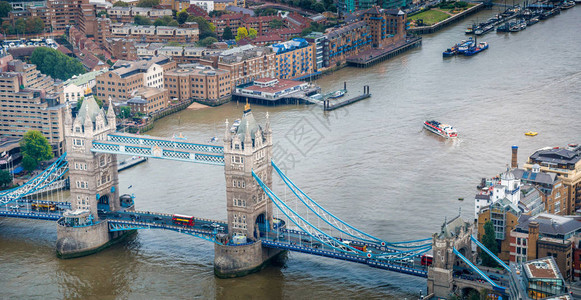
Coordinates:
column 247, row 148
column 93, row 180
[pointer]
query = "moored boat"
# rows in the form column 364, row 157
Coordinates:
column 533, row 21
column 337, row 94
column 531, row 133
column 464, row 45
column 443, row 130
column 451, row 51
column 476, row 49
column 484, row 30
column 567, row 4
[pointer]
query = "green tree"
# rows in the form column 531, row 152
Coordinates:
column 206, row 28
column 227, row 35
column 275, row 23
column 182, row 17
column 241, row 33
column 216, row 13
column 163, row 21
column 5, row 178
column 141, row 20
column 20, row 25
column 35, row 148
column 173, row 23
column 5, row 8
column 327, row 3
column 147, row 3
column 207, row 41
column 29, row 163
column 319, row 7
column 125, row 112
column 489, row 241
column 252, row 33
column 265, row 12
column 120, row 4
column 52, row 62
column 103, row 13
column 332, row 8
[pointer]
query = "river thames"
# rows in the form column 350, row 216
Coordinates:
column 369, row 163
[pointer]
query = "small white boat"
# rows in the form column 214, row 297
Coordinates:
column 337, row 94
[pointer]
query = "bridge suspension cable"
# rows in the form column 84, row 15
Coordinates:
column 341, row 225
column 323, row 237
column 40, row 181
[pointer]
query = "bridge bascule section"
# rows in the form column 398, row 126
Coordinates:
column 260, row 224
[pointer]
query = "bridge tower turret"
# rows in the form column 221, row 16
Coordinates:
column 93, row 180
column 453, row 234
column 247, row 148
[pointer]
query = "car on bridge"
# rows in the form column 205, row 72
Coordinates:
column 14, row 207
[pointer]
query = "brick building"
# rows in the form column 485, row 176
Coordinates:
column 156, row 34
column 127, row 14
column 566, row 164
column 200, row 82
column 148, row 100
column 122, row 82
column 244, row 63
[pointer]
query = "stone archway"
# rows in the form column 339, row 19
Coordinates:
column 103, row 203
column 260, row 225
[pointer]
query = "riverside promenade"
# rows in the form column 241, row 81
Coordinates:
column 372, row 56
column 448, row 21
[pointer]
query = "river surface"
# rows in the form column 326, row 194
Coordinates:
column 370, row 163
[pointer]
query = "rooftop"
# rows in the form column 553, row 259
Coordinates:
column 279, row 86
column 557, row 156
column 82, row 79
column 542, row 268
column 550, row 224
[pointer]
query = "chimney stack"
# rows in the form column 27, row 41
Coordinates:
column 532, row 240
column 514, row 163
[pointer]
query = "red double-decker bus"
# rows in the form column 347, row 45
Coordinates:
column 427, row 260
column 183, row 220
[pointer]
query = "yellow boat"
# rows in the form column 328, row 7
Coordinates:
column 531, row 133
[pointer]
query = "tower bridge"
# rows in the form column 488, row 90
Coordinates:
column 260, row 225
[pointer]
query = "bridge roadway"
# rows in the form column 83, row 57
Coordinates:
column 293, row 240
column 166, row 148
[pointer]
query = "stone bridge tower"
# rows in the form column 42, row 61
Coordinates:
column 247, row 148
column 453, row 234
column 93, row 179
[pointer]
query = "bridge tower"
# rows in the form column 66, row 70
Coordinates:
column 247, row 148
column 93, row 180
column 453, row 234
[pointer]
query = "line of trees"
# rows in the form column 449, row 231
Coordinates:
column 52, row 62
column 23, row 26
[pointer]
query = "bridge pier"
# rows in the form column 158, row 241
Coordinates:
column 82, row 241
column 241, row 260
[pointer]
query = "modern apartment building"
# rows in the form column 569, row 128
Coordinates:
column 348, row 40
column 294, row 59
column 29, row 100
column 196, row 81
column 386, row 26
